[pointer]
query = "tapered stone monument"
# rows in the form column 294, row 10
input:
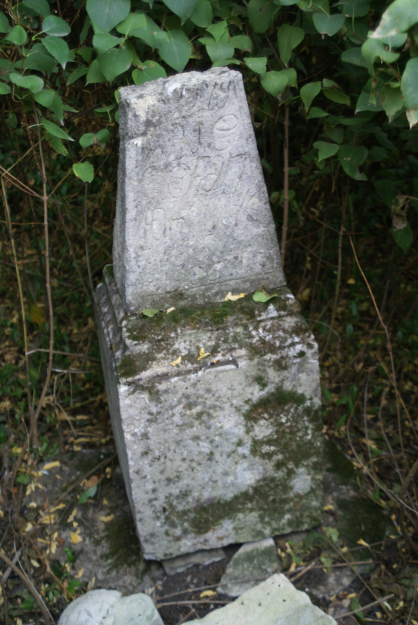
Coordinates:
column 214, row 400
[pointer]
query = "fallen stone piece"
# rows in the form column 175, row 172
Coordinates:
column 108, row 607
column 253, row 562
column 273, row 602
column 181, row 563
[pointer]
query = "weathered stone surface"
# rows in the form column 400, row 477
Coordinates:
column 223, row 450
column 253, row 562
column 273, row 602
column 193, row 219
column 108, row 607
column 182, row 563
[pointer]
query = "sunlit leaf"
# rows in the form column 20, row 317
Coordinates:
column 176, row 51
column 55, row 130
column 150, row 70
column 263, row 296
column 84, row 171
column 398, row 18
column 150, row 312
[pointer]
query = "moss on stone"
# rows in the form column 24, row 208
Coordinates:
column 122, row 544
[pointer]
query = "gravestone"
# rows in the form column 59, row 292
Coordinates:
column 214, row 400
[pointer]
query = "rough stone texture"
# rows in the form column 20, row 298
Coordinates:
column 223, row 450
column 253, row 562
column 193, row 219
column 273, row 602
column 182, row 563
column 108, row 607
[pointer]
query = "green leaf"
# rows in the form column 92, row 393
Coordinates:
column 76, row 74
column 274, row 82
column 320, row 6
column 351, row 158
column 292, row 77
column 373, row 49
column 335, row 95
column 33, row 83
column 358, row 8
column 354, row 56
column 176, row 51
column 367, row 101
column 39, row 7
column 58, row 48
column 90, row 492
column 150, row 70
column 263, row 296
column 409, row 87
column 226, row 62
column 84, row 171
column 357, row 30
column 85, row 29
column 398, row 18
column 403, row 237
column 57, row 144
column 100, row 138
column 6, row 68
column 85, row 53
column 23, row 478
column 397, row 41
column 325, row 150
column 218, row 30
column 219, row 51
column 260, row 14
column 316, row 113
column 17, row 36
column 149, row 312
column 4, row 89
column 51, row 100
column 355, row 605
column 115, row 62
column 94, row 74
column 392, row 101
column 4, row 24
column 55, row 130
column 309, row 92
column 202, row 15
column 183, row 8
column 288, row 37
column 257, row 64
column 102, row 41
column 131, row 23
column 55, row 26
column 241, row 42
column 107, row 14
column 328, row 24
column 39, row 59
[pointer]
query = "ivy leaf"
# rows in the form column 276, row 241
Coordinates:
column 4, row 89
column 288, row 38
column 51, row 100
column 409, row 87
column 219, row 51
column 55, row 26
column 100, row 138
column 263, row 296
column 76, row 74
column 309, row 92
column 84, row 171
column 115, row 62
column 292, row 77
column 55, row 130
column 183, row 8
column 392, row 101
column 58, row 48
column 328, row 24
column 4, row 24
column 131, row 23
column 241, row 42
column 274, row 82
column 403, row 237
column 33, row 83
column 39, row 7
column 260, row 14
column 316, row 113
column 335, row 95
column 150, row 70
column 398, row 18
column 257, row 64
column 202, row 15
column 351, row 158
column 218, row 30
column 107, row 14
column 373, row 49
column 57, row 144
column 176, row 51
column 90, row 492
column 17, row 36
column 325, row 149
column 354, row 56
column 102, row 41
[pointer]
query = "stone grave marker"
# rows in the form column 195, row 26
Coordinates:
column 215, row 404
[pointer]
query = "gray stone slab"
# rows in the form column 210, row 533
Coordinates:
column 223, row 450
column 273, row 602
column 253, row 562
column 193, row 219
column 182, row 563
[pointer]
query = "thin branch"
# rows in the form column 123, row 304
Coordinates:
column 366, row 607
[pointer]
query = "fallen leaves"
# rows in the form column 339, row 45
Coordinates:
column 75, row 538
column 106, row 519
column 233, row 298
column 149, row 312
column 263, row 296
column 203, row 354
column 207, row 593
column 176, row 362
column 169, row 310
column 51, row 465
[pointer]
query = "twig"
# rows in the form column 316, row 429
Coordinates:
column 69, row 354
column 308, row 568
column 240, row 581
column 366, row 607
column 48, row 618
column 193, row 601
column 83, row 477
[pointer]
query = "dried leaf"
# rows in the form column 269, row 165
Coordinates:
column 202, row 353
column 106, row 519
column 169, row 310
column 176, row 362
column 48, row 519
column 72, row 515
column 51, row 465
column 233, row 298
column 92, row 481
column 76, row 538
column 58, row 507
column 37, row 316
column 207, row 593
column 362, row 542
column 35, row 563
column 292, row 567
column 328, row 508
column 80, row 573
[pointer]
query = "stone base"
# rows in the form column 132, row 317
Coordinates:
column 225, row 449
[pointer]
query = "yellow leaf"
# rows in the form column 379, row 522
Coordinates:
column 80, row 573
column 351, row 281
column 106, row 519
column 352, row 595
column 169, row 310
column 292, row 567
column 75, row 524
column 28, row 527
column 48, row 519
column 105, row 501
column 362, row 542
column 59, row 507
column 176, row 362
column 35, row 563
column 399, row 606
column 202, row 353
column 72, row 515
column 233, row 298
column 207, row 593
column 36, row 315
column 214, row 362
column 328, row 508
column 75, row 538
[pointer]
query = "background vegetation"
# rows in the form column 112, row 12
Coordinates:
column 333, row 94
